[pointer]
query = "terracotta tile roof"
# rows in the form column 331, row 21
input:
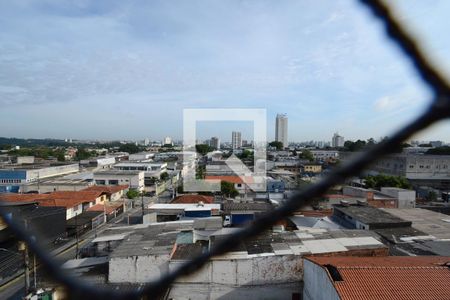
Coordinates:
column 391, row 277
column 67, row 203
column 107, row 189
column 79, row 195
column 66, row 199
column 22, row 197
column 232, row 179
column 193, row 199
column 109, row 208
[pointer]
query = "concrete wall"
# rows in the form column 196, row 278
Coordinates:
column 137, row 269
column 317, row 284
column 52, row 171
column 252, row 271
column 406, row 198
column 223, row 292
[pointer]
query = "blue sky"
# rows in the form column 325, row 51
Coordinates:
column 127, row 69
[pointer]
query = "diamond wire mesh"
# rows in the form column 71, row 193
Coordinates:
column 438, row 110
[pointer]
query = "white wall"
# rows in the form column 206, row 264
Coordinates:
column 316, row 283
column 137, row 269
column 73, row 211
column 252, row 271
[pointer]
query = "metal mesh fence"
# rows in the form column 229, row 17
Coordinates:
column 438, row 109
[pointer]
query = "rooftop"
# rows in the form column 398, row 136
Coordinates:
column 188, row 198
column 370, row 215
column 430, row 222
column 229, row 207
column 231, row 179
column 106, row 189
column 419, row 277
column 117, row 172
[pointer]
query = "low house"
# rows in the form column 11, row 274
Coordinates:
column 242, row 213
column 111, row 209
column 395, row 277
column 312, row 168
column 174, row 211
column 366, row 217
column 75, row 202
column 112, row 192
column 133, row 179
column 189, row 198
column 84, row 222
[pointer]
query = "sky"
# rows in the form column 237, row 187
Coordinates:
column 127, row 69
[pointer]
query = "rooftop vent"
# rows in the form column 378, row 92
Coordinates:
column 334, row 273
column 361, row 203
column 345, row 203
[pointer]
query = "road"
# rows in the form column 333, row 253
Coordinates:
column 15, row 289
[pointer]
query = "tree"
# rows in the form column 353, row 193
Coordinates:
column 129, row 148
column 82, row 154
column 276, row 144
column 381, row 180
column 164, row 176
column 444, row 150
column 432, row 196
column 306, row 154
column 60, row 156
column 227, row 189
column 203, row 149
column 371, row 142
column 132, row 193
column 354, row 146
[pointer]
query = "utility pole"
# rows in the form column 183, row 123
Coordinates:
column 27, row 263
column 34, row 272
column 142, row 205
column 76, row 235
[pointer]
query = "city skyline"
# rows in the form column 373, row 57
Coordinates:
column 128, row 70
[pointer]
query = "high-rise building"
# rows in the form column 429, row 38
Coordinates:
column 337, row 141
column 167, row 140
column 215, row 143
column 236, row 141
column 281, row 129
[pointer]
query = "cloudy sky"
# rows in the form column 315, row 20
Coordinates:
column 127, row 69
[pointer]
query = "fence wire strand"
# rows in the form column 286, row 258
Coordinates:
column 438, row 110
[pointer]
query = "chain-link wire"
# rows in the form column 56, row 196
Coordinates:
column 438, row 110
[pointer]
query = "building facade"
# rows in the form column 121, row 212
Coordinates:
column 236, row 140
column 337, row 141
column 281, row 129
column 215, row 143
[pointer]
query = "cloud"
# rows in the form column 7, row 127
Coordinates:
column 316, row 61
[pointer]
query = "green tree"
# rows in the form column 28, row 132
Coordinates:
column 82, row 154
column 227, row 189
column 306, row 154
column 371, row 142
column 203, row 149
column 382, row 180
column 60, row 156
column 132, row 194
column 432, row 196
column 129, row 148
column 276, row 144
column 444, row 150
column 200, row 172
column 164, row 176
column 354, row 146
